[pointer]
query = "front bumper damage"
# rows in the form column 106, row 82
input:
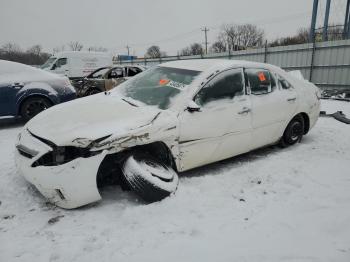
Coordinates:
column 70, row 185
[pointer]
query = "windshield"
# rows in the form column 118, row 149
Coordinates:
column 48, row 63
column 158, row 85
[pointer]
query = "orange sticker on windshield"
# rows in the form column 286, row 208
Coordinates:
column 262, row 77
column 163, row 82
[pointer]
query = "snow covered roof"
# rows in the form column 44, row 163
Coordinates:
column 205, row 64
column 13, row 71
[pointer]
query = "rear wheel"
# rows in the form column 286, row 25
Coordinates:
column 294, row 131
column 148, row 177
column 33, row 106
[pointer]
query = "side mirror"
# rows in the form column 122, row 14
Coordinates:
column 193, row 107
column 53, row 67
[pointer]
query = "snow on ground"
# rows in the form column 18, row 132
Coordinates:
column 270, row 205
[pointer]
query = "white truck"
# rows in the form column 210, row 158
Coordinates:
column 76, row 64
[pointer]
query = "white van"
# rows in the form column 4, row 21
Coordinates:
column 77, row 64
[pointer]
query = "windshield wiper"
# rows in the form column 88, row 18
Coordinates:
column 129, row 102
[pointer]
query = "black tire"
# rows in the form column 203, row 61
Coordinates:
column 33, row 106
column 294, row 131
column 148, row 177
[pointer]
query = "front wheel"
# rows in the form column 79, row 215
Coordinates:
column 294, row 131
column 33, row 106
column 151, row 179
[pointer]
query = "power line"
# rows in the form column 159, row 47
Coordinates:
column 181, row 36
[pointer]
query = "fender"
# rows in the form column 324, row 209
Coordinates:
column 36, row 89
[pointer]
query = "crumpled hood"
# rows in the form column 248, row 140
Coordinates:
column 84, row 120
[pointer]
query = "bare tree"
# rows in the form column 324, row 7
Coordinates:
column 250, row 35
column 35, row 49
column 154, row 52
column 97, row 49
column 194, row 49
column 75, row 46
column 301, row 37
column 58, row 49
column 185, row 51
column 218, row 47
column 10, row 48
column 241, row 37
column 32, row 56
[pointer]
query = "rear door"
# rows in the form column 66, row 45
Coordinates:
column 222, row 126
column 270, row 108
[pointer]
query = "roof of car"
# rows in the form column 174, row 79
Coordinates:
column 205, row 64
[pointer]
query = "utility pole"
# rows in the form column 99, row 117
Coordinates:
column 205, row 30
column 128, row 47
column 325, row 23
column 346, row 32
column 313, row 21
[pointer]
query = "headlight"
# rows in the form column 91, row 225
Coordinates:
column 61, row 155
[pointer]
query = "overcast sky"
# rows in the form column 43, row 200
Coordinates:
column 171, row 24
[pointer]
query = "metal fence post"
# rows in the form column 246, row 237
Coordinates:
column 265, row 52
column 312, row 58
column 145, row 61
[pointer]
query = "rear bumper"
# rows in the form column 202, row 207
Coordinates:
column 69, row 185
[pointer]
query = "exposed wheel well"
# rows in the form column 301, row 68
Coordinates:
column 109, row 170
column 32, row 96
column 306, row 122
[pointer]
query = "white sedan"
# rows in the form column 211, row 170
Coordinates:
column 168, row 119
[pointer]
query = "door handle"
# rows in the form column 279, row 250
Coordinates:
column 245, row 110
column 17, row 85
column 291, row 99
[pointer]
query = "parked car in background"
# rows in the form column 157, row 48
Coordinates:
column 77, row 64
column 105, row 78
column 171, row 118
column 25, row 91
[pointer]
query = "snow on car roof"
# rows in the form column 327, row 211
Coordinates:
column 205, row 64
column 13, row 71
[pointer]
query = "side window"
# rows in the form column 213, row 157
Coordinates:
column 260, row 81
column 116, row 73
column 226, row 85
column 132, row 71
column 283, row 83
column 61, row 62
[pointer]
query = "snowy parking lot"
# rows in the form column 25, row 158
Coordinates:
column 272, row 204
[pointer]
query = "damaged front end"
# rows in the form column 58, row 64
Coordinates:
column 70, row 171
column 66, row 176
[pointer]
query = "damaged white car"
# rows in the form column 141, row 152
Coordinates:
column 169, row 119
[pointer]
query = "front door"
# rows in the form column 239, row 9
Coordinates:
column 114, row 78
column 8, row 98
column 61, row 67
column 222, row 127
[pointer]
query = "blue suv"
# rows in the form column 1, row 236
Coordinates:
column 25, row 91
